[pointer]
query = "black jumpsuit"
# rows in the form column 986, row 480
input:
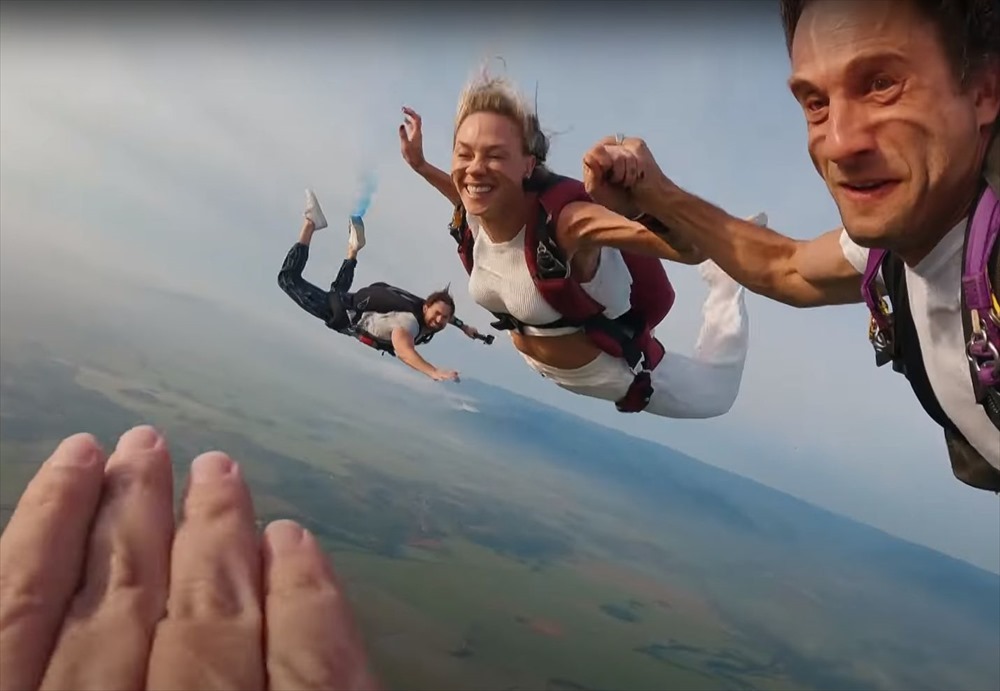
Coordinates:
column 330, row 306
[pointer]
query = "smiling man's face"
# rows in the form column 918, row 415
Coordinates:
column 892, row 131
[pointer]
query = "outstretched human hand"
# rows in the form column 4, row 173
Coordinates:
column 99, row 590
column 411, row 139
column 444, row 375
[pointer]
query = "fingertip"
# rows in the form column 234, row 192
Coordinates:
column 79, row 449
column 283, row 536
column 215, row 455
column 141, row 438
column 285, row 524
column 81, row 440
column 212, row 465
column 294, row 546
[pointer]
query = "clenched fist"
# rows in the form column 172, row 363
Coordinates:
column 622, row 175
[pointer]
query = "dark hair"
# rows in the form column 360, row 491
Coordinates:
column 538, row 141
column 441, row 296
column 969, row 29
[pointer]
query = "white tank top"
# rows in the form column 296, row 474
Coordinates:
column 500, row 282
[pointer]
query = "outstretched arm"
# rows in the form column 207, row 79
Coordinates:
column 623, row 172
column 587, row 224
column 800, row 273
column 440, row 181
column 411, row 145
column 402, row 343
column 467, row 329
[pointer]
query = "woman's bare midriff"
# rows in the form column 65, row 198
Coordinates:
column 571, row 351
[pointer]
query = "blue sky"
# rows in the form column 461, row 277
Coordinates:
column 180, row 147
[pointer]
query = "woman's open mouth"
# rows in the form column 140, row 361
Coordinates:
column 478, row 191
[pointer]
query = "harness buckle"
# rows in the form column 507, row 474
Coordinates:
column 506, row 323
column 983, row 355
column 882, row 345
column 548, row 263
column 638, row 395
column 994, row 315
column 880, row 338
column 638, row 367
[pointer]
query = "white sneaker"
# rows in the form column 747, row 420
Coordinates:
column 356, row 233
column 313, row 212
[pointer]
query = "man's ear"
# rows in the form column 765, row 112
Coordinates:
column 987, row 86
column 986, row 82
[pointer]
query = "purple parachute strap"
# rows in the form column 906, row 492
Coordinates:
column 868, row 289
column 983, row 232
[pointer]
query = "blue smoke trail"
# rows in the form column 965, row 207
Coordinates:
column 368, row 186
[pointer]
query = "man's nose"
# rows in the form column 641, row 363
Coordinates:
column 849, row 131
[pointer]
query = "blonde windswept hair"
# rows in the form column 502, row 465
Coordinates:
column 485, row 93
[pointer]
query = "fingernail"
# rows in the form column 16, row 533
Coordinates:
column 284, row 535
column 211, row 466
column 141, row 438
column 77, row 450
